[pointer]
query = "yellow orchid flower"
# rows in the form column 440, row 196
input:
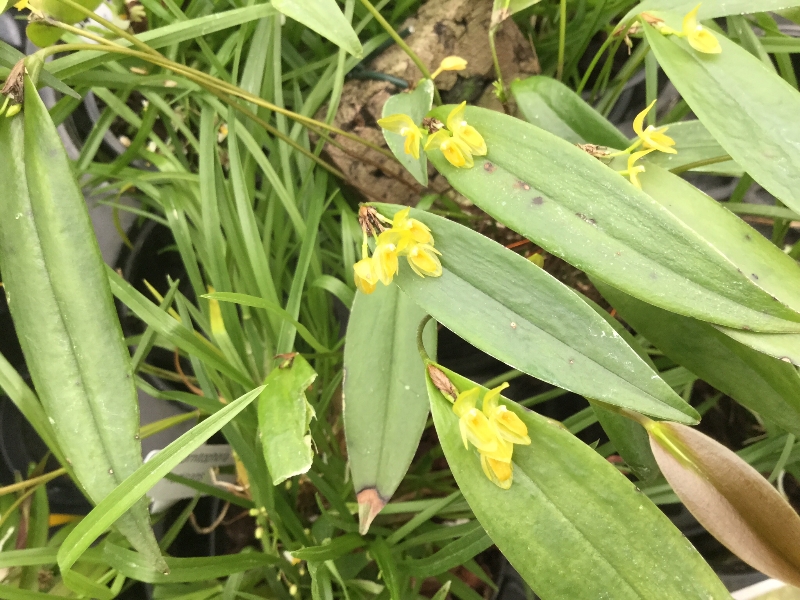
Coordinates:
column 464, row 132
column 455, row 151
column 633, row 169
column 423, row 260
column 406, row 232
column 405, row 126
column 498, row 472
column 652, row 137
column 450, row 63
column 365, row 276
column 699, row 37
column 21, row 5
column 473, row 423
column 385, row 262
column 507, row 424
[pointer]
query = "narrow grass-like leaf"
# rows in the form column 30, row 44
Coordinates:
column 134, row 487
column 416, row 105
column 450, row 556
column 582, row 211
column 766, row 385
column 284, row 415
column 730, row 499
column 385, row 400
column 746, row 106
column 513, row 310
column 569, row 506
column 326, row 18
column 334, row 549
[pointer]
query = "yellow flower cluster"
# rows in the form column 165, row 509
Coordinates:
column 406, row 237
column 458, row 141
column 652, row 139
column 699, row 37
column 493, row 431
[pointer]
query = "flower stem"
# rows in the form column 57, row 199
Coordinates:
column 609, row 40
column 420, row 341
column 562, row 39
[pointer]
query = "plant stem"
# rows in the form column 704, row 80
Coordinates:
column 562, row 39
column 609, row 40
column 420, row 341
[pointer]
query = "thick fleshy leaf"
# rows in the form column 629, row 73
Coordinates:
column 730, row 499
column 55, row 283
column 571, row 524
column 582, row 211
column 747, row 107
column 766, row 385
column 284, row 415
column 710, row 9
column 416, row 105
column 695, row 144
column 385, row 399
column 783, row 346
column 326, row 18
column 552, row 106
column 508, row 307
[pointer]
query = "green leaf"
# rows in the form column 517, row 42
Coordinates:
column 785, row 346
column 710, row 9
column 131, row 565
column 386, row 406
column 503, row 9
column 416, row 105
column 695, row 144
column 766, row 385
column 64, row 314
column 582, row 211
column 284, row 415
column 571, row 524
column 452, row 555
column 387, row 564
column 746, row 106
column 334, row 549
column 552, row 106
column 730, row 499
column 11, row 56
column 136, row 486
column 511, row 309
column 326, row 18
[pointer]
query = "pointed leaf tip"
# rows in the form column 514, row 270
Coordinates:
column 370, row 504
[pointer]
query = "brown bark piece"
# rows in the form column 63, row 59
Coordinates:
column 441, row 28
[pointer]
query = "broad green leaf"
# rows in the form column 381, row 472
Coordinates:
column 326, row 18
column 695, row 144
column 284, row 415
column 786, row 346
column 580, row 210
column 552, row 106
column 9, row 56
column 747, row 107
column 503, row 9
column 766, row 385
column 59, row 298
column 416, row 105
column 710, row 9
column 136, row 486
column 730, row 499
column 511, row 309
column 131, row 565
column 571, row 524
column 385, row 400
column 61, row 12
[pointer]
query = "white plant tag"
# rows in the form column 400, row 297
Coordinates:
column 198, row 466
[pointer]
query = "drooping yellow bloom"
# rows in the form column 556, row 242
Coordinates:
column 405, row 126
column 507, row 424
column 699, row 37
column 498, row 472
column 450, row 63
column 406, row 232
column 385, row 262
column 473, row 423
column 365, row 276
column 652, row 137
column 423, row 260
column 459, row 142
column 633, row 169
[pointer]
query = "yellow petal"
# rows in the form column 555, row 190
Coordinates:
column 385, row 262
column 466, row 401
column 704, row 41
column 479, row 432
column 397, row 123
column 436, row 140
column 490, row 400
column 364, row 275
column 456, row 154
column 423, row 260
column 499, row 473
column 690, row 23
column 638, row 122
column 413, row 140
column 509, row 426
column 502, row 452
column 656, row 139
column 470, row 136
column 21, row 5
column 452, row 63
column 456, row 117
column 400, row 218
